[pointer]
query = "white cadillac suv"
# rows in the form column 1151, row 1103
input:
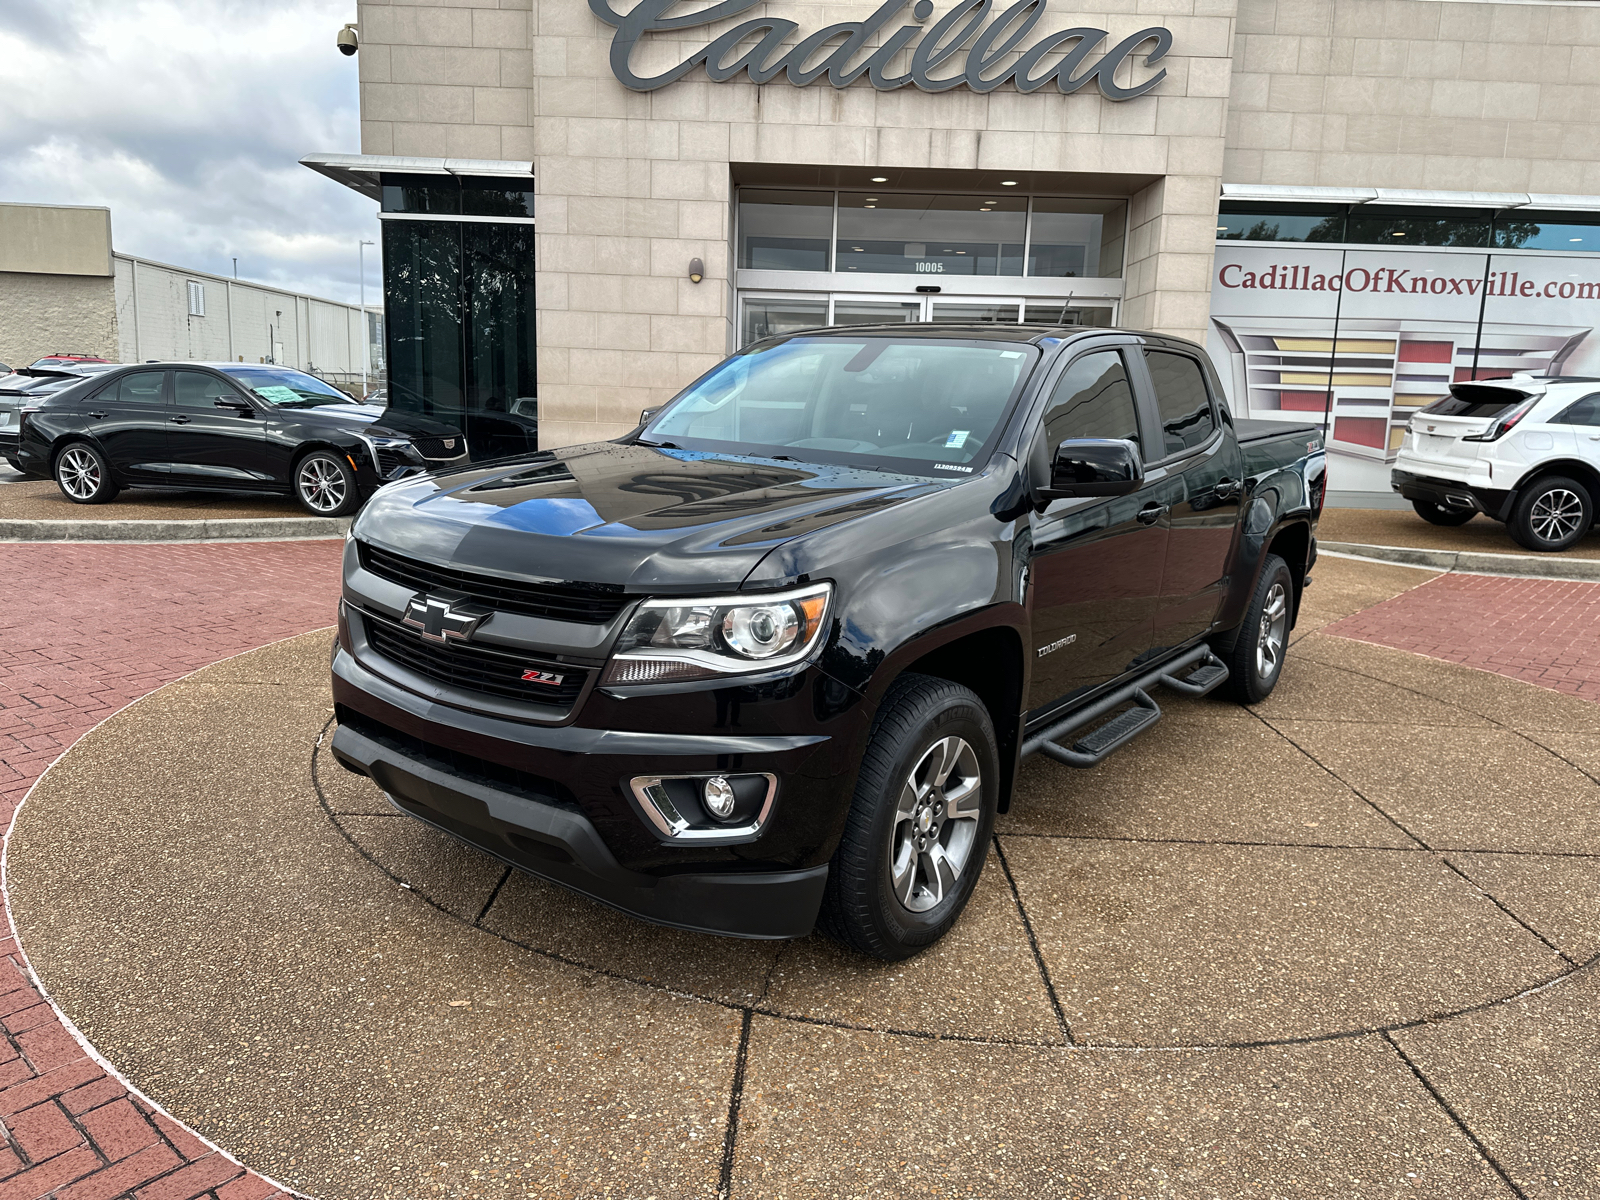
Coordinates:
column 1523, row 450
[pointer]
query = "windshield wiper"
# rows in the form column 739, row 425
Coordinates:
column 659, row 445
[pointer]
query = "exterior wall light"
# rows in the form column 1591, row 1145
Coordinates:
column 697, row 270
column 347, row 41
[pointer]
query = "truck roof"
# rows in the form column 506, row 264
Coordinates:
column 1029, row 333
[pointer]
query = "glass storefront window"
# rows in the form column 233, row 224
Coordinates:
column 876, row 312
column 1292, row 223
column 764, row 318
column 459, row 298
column 899, row 234
column 453, row 195
column 784, row 231
column 1460, row 227
column 951, row 311
column 1546, row 231
column 1076, row 238
column 1066, row 314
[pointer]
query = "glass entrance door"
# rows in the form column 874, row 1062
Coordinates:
column 765, row 315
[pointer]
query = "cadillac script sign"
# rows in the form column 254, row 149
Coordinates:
column 964, row 48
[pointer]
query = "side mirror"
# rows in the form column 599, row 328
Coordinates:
column 1094, row 467
column 242, row 407
column 645, row 416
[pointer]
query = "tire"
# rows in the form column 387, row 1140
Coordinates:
column 325, row 484
column 1438, row 514
column 1551, row 514
column 887, row 894
column 1255, row 660
column 83, row 475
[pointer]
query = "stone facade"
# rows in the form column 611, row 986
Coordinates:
column 42, row 315
column 632, row 186
column 1416, row 94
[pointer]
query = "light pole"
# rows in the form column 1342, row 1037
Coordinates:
column 366, row 338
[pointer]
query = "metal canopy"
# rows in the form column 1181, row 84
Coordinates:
column 1282, row 194
column 360, row 172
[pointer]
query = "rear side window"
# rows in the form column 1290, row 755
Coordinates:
column 137, row 387
column 1182, row 399
column 1475, row 400
column 1584, row 412
column 1092, row 400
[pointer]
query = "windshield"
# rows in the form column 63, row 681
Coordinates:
column 283, row 388
column 905, row 404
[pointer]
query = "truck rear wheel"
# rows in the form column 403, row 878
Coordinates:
column 1255, row 660
column 920, row 821
column 1438, row 514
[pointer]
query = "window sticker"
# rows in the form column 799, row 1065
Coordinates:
column 279, row 394
column 957, row 439
column 1011, row 354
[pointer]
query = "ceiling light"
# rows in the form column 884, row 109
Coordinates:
column 1574, row 239
column 869, row 206
column 872, row 199
column 1222, row 229
column 880, row 179
column 857, row 249
column 960, row 251
column 1008, row 183
column 1397, row 235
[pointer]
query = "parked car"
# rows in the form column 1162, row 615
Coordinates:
column 1524, row 451
column 67, row 360
column 775, row 656
column 18, row 387
column 226, row 426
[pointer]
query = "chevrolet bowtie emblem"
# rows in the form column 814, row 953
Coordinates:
column 445, row 618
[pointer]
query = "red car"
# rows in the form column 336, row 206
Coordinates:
column 68, row 360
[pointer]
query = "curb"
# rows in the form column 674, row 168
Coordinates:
column 232, row 530
column 1536, row 566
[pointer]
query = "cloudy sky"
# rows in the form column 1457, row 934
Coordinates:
column 188, row 119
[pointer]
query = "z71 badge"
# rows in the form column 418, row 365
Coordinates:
column 545, row 677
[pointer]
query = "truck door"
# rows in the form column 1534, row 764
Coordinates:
column 1094, row 566
column 1202, row 489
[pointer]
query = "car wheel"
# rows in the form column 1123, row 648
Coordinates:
column 918, row 830
column 1255, row 659
column 84, row 476
column 325, row 485
column 1439, row 514
column 1551, row 514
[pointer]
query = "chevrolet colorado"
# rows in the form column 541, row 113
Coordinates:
column 771, row 660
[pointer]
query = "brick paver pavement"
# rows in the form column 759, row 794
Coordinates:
column 1544, row 631
column 91, row 628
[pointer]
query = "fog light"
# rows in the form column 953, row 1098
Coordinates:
column 718, row 798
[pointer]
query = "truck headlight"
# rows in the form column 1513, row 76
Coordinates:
column 673, row 639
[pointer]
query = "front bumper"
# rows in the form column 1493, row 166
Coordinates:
column 555, row 843
column 1450, row 493
column 554, row 800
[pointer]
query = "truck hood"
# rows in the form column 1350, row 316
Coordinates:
column 643, row 517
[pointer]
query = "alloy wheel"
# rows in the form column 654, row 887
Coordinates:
column 79, row 473
column 935, row 824
column 321, row 483
column 1556, row 515
column 1274, row 626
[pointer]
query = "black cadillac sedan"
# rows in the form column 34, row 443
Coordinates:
column 229, row 427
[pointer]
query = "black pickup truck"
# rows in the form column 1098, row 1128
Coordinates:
column 772, row 659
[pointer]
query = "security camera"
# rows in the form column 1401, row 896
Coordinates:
column 347, row 41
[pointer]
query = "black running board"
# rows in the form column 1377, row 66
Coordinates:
column 1099, row 743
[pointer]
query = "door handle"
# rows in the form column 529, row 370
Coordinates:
column 97, row 415
column 1151, row 513
column 179, row 420
column 1227, row 489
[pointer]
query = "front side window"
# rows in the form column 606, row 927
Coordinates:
column 1584, row 412
column 1093, row 399
column 196, row 389
column 138, row 387
column 1183, row 401
column 910, row 404
column 283, row 388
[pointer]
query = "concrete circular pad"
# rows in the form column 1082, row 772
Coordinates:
column 1246, row 913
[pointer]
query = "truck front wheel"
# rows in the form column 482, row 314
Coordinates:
column 920, row 821
column 1256, row 658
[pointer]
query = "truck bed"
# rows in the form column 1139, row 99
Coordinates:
column 1270, row 445
column 1260, row 431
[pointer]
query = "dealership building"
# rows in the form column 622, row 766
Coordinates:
column 1352, row 202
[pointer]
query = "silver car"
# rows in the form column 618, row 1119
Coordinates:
column 20, row 387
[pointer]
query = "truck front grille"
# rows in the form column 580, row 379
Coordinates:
column 586, row 604
column 494, row 672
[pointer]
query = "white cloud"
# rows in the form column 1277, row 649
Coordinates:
column 188, row 121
